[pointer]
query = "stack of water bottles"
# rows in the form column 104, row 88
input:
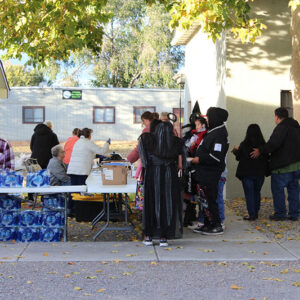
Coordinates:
column 44, row 225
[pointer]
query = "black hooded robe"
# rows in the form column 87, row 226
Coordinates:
column 162, row 213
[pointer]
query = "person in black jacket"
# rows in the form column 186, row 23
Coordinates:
column 284, row 147
column 209, row 165
column 42, row 141
column 251, row 171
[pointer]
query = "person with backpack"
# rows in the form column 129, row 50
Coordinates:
column 251, row 171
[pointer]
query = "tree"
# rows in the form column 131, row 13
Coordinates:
column 48, row 30
column 18, row 75
column 136, row 47
column 215, row 16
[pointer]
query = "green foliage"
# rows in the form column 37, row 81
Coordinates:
column 293, row 4
column 136, row 49
column 48, row 30
column 18, row 75
column 215, row 16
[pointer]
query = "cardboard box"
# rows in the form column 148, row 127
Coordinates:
column 114, row 174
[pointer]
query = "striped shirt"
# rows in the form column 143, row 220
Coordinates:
column 7, row 158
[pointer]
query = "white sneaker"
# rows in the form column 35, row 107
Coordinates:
column 148, row 242
column 163, row 243
column 223, row 225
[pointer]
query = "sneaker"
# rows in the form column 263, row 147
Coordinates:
column 223, row 225
column 199, row 229
column 163, row 243
column 148, row 241
column 209, row 230
column 277, row 218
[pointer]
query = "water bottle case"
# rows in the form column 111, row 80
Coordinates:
column 38, row 179
column 9, row 218
column 50, row 234
column 53, row 202
column 28, row 234
column 52, row 219
column 9, row 202
column 11, row 178
column 7, row 233
column 30, row 218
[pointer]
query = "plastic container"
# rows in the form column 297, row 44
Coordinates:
column 38, row 179
column 52, row 219
column 9, row 217
column 30, row 218
column 11, row 179
column 28, row 234
column 7, row 233
column 50, row 234
column 10, row 202
column 53, row 201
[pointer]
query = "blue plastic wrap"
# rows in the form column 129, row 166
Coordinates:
column 7, row 233
column 11, row 179
column 53, row 201
column 9, row 217
column 38, row 179
column 50, row 234
column 53, row 219
column 30, row 218
column 10, row 202
column 28, row 234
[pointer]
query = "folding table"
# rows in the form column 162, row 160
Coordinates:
column 95, row 186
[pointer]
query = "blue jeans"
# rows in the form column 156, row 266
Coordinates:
column 220, row 201
column 289, row 181
column 252, row 186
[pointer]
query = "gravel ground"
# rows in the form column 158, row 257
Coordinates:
column 279, row 231
column 190, row 280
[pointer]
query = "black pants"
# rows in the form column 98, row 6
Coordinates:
column 76, row 180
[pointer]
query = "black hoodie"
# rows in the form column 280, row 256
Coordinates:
column 41, row 143
column 213, row 149
column 284, row 144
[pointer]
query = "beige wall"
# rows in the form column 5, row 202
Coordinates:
column 255, row 75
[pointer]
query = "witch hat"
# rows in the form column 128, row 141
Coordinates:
column 196, row 108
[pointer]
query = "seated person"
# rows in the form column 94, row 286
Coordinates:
column 57, row 168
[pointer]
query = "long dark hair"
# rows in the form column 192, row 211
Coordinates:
column 254, row 137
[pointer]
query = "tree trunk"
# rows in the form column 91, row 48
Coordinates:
column 295, row 68
column 133, row 79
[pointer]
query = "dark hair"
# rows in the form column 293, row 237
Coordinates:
column 201, row 120
column 254, row 137
column 86, row 132
column 281, row 113
column 155, row 116
column 153, row 125
column 75, row 131
column 147, row 115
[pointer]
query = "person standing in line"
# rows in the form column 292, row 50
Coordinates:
column 42, row 141
column 70, row 144
column 251, row 171
column 284, row 149
column 160, row 152
column 7, row 158
column 209, row 165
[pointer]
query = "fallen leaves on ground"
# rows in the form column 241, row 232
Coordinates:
column 206, row 250
column 154, row 263
column 67, row 276
column 236, row 287
column 127, row 273
column 77, row 288
column 91, row 277
column 71, row 263
column 52, row 272
column 101, row 290
column 45, row 254
column 29, row 282
column 273, row 279
column 296, row 284
column 75, row 273
column 98, row 271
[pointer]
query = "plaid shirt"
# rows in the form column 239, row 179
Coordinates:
column 7, row 158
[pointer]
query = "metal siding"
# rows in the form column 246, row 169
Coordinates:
column 68, row 114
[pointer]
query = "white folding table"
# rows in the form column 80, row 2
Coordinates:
column 49, row 190
column 95, row 186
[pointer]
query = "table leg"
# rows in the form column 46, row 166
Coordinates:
column 66, row 218
column 106, row 199
column 100, row 215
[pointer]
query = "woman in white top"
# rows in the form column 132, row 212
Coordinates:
column 82, row 157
